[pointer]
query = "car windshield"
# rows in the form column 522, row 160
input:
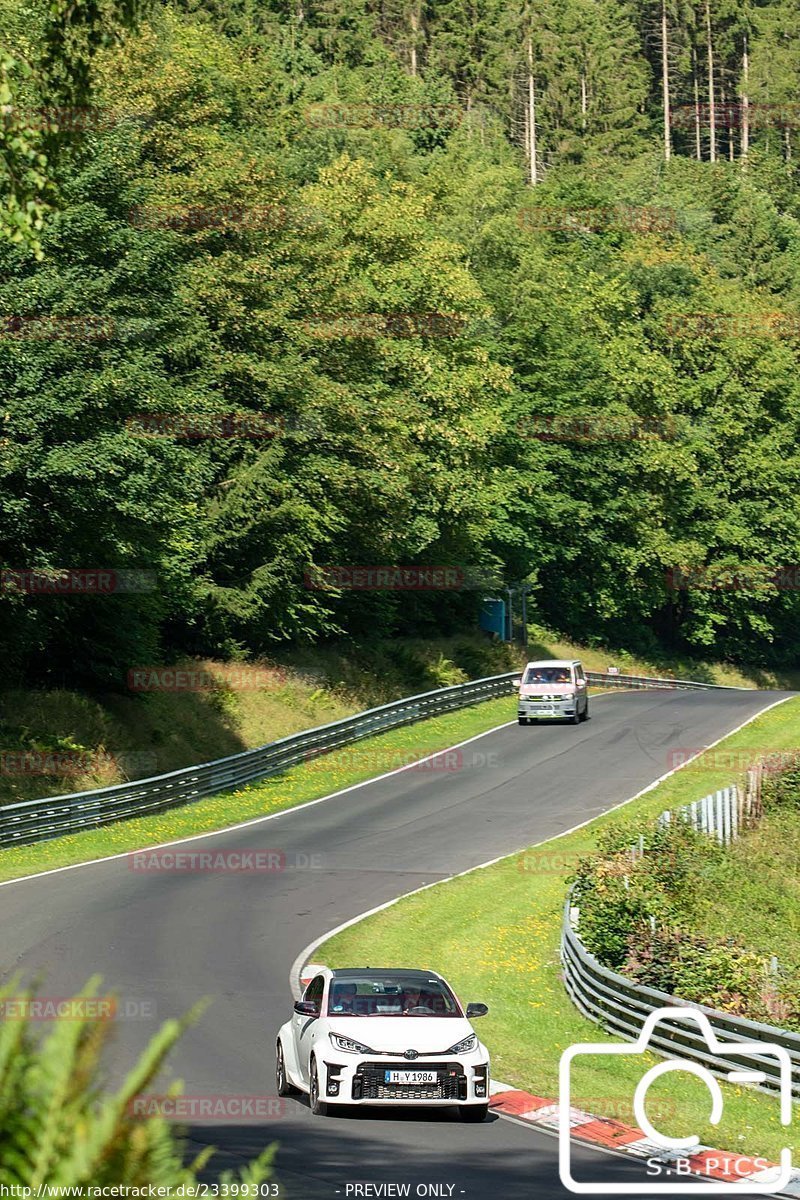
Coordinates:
column 546, row 675
column 387, row 995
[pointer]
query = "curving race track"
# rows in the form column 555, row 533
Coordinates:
column 167, row 938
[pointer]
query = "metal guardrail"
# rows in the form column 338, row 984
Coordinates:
column 621, row 1007
column 37, row 820
column 599, row 679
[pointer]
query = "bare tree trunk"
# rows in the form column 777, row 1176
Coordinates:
column 698, row 148
column 729, row 110
column 665, row 79
column 787, row 141
column 712, row 141
column 745, row 145
column 414, row 36
column 531, row 116
column 583, row 101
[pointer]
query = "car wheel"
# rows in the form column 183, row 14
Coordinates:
column 473, row 1113
column 318, row 1107
column 575, row 719
column 522, row 720
column 586, row 712
column 282, row 1085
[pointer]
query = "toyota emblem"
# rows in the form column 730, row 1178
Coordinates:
column 411, row 1054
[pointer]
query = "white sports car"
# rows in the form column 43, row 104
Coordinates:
column 383, row 1036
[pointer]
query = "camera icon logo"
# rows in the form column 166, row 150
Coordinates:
column 680, row 1146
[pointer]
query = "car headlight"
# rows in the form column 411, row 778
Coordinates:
column 464, row 1047
column 348, row 1045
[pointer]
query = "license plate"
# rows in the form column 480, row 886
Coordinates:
column 546, row 709
column 410, row 1077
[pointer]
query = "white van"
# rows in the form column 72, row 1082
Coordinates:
column 553, row 687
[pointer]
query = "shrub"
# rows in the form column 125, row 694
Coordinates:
column 725, row 977
column 620, row 890
column 781, row 787
column 58, row 1129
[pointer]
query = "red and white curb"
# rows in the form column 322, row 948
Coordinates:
column 627, row 1139
column 614, row 1135
column 308, row 972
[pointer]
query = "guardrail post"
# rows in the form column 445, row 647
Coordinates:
column 29, row 821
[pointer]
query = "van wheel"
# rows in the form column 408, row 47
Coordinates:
column 576, row 716
column 522, row 720
column 586, row 712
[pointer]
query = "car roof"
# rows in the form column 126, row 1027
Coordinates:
column 370, row 972
column 554, row 662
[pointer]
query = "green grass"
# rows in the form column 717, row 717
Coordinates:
column 759, row 878
column 323, row 775
column 546, row 644
column 495, row 934
column 321, row 683
column 169, row 730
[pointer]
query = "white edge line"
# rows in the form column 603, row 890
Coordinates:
column 91, row 862
column 613, row 1151
column 194, row 837
column 305, row 954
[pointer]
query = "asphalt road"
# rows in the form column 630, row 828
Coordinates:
column 161, row 939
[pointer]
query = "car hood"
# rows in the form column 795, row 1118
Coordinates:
column 395, row 1035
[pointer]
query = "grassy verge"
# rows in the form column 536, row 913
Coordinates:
column 759, row 878
column 319, row 777
column 496, row 937
column 546, row 644
column 106, row 738
column 102, row 739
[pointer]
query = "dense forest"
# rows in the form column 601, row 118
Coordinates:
column 293, row 289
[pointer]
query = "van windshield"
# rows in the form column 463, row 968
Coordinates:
column 546, row 675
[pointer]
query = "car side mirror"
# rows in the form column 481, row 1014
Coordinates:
column 306, row 1008
column 516, row 682
column 477, row 1010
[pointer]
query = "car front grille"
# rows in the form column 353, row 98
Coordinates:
column 370, row 1084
